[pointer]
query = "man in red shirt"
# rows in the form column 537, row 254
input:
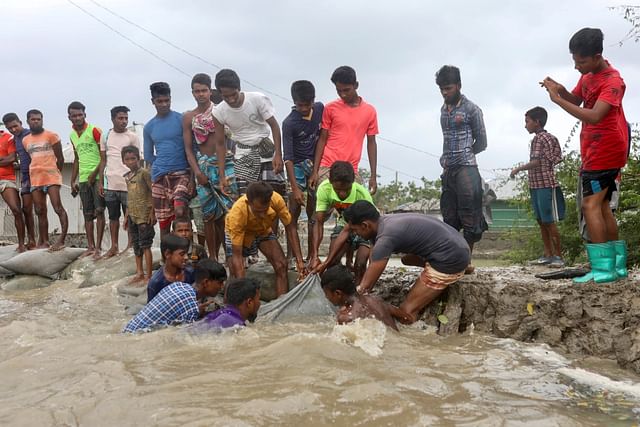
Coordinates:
column 8, row 187
column 604, row 147
column 345, row 123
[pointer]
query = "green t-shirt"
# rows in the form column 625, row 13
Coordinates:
column 88, row 149
column 326, row 198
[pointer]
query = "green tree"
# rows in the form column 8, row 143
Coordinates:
column 396, row 193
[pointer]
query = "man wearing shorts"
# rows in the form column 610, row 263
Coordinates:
column 45, row 173
column 112, row 184
column 85, row 139
column 426, row 241
column 248, row 228
column 164, row 150
column 8, row 187
column 464, row 136
column 596, row 100
column 14, row 125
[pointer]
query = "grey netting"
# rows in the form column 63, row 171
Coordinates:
column 305, row 302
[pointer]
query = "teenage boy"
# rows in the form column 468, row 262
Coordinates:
column 213, row 201
column 547, row 199
column 604, row 148
column 340, row 289
column 111, row 182
column 248, row 228
column 345, row 123
column 45, row 173
column 175, row 268
column 85, row 140
column 182, row 227
column 464, row 137
column 8, row 187
column 425, row 241
column 242, row 297
column 14, row 125
column 250, row 117
column 178, row 302
column 300, row 133
column 164, row 150
column 339, row 192
column 139, row 217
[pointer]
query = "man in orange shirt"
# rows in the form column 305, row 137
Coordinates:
column 45, row 172
column 8, row 187
column 345, row 123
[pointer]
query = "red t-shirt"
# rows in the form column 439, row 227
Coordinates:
column 7, row 146
column 603, row 145
column 347, row 128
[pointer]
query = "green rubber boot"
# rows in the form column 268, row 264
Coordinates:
column 621, row 258
column 602, row 257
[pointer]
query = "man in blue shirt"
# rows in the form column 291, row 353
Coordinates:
column 178, row 302
column 300, row 133
column 464, row 137
column 174, row 257
column 243, row 302
column 164, row 150
column 14, row 125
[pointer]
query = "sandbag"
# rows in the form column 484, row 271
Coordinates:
column 304, row 303
column 25, row 283
column 6, row 253
column 115, row 268
column 42, row 262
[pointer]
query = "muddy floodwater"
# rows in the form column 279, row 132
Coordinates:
column 63, row 362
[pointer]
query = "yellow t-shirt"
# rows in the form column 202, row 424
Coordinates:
column 243, row 227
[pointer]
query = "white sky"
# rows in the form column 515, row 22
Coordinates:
column 54, row 54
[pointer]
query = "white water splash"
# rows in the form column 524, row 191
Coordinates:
column 366, row 334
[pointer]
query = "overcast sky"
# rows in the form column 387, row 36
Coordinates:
column 54, row 53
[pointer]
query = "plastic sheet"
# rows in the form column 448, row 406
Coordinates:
column 305, row 302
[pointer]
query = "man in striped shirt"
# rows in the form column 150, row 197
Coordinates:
column 178, row 302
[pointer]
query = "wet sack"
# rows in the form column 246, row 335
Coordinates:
column 42, row 262
column 305, row 302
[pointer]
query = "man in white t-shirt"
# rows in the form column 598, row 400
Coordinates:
column 111, row 183
column 250, row 117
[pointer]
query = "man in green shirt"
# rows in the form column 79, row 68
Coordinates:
column 85, row 139
column 339, row 192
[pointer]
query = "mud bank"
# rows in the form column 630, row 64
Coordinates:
column 509, row 302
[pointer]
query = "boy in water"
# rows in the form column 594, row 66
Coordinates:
column 178, row 302
column 139, row 217
column 546, row 195
column 604, row 148
column 175, row 268
column 300, row 133
column 182, row 227
column 339, row 192
column 340, row 289
column 243, row 301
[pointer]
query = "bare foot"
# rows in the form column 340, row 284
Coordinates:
column 31, row 245
column 138, row 280
column 86, row 253
column 21, row 249
column 58, row 246
column 111, row 253
column 43, row 246
column 97, row 255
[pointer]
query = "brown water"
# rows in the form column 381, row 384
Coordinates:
column 64, row 362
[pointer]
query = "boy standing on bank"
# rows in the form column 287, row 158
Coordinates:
column 345, row 123
column 547, row 199
column 604, row 148
column 85, row 139
column 300, row 133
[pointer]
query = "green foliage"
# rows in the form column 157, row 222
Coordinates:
column 390, row 196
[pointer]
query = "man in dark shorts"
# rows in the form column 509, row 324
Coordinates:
column 604, row 148
column 426, row 241
column 464, row 137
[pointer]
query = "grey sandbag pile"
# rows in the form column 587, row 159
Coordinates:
column 6, row 253
column 42, row 262
column 304, row 302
